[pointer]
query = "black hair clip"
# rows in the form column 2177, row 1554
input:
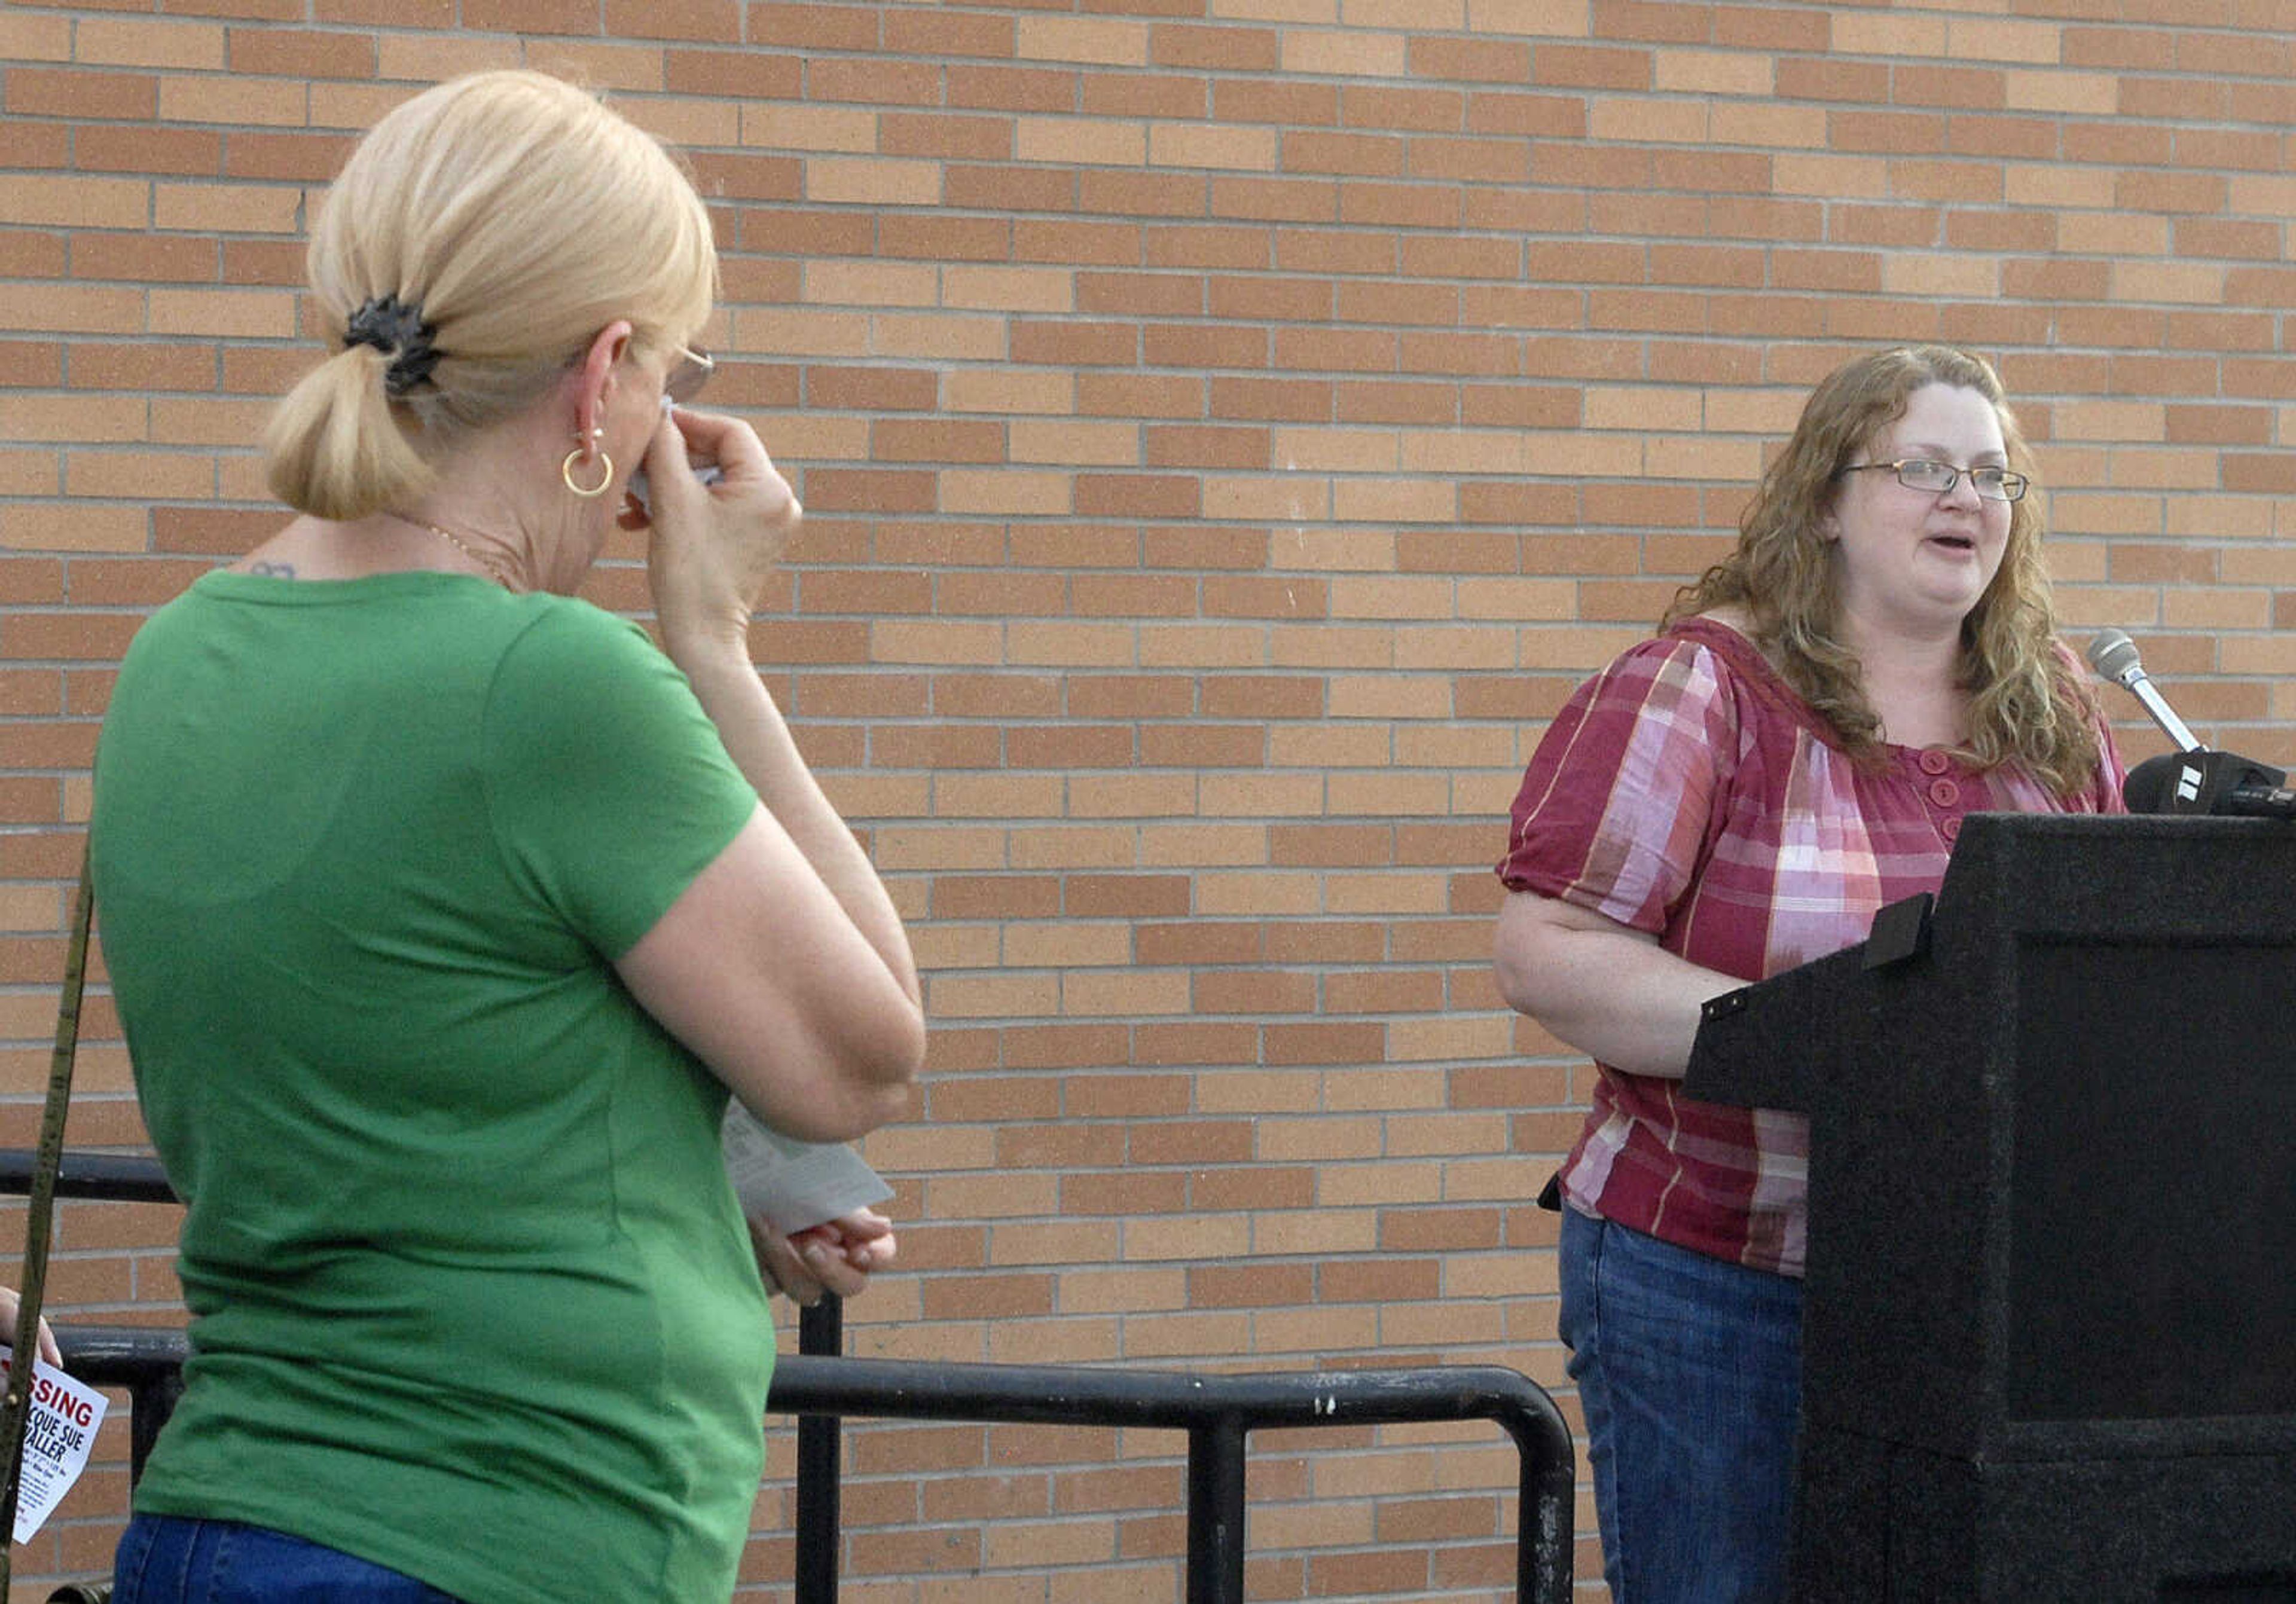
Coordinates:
column 394, row 326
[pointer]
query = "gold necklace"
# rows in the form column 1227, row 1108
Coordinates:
column 495, row 570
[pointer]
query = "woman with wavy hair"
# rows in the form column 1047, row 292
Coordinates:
column 1795, row 749
column 445, row 911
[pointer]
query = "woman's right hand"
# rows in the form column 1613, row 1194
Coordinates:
column 713, row 545
column 11, row 1309
column 838, row 1255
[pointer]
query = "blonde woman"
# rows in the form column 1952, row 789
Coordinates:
column 444, row 912
column 1797, row 749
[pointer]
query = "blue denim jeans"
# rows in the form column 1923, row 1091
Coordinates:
column 1689, row 1371
column 167, row 1559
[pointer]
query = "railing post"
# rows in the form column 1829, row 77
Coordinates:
column 820, row 1330
column 151, row 1400
column 1544, row 1511
column 1216, row 1511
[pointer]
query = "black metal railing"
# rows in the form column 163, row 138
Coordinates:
column 1217, row 1413
column 104, row 1177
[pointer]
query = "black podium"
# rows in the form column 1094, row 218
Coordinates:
column 2049, row 1342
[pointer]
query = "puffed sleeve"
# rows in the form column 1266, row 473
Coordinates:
column 1615, row 810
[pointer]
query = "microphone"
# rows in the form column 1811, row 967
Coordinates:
column 2258, row 802
column 2194, row 779
column 2113, row 655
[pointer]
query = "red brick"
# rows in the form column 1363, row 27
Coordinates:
column 1820, row 78
column 173, row 153
column 947, row 34
column 936, row 440
column 1174, row 944
column 1122, row 896
column 749, row 72
column 1966, row 88
column 1325, row 1044
column 2119, row 144
column 1141, row 395
column 301, row 53
column 1099, row 244
column 732, row 176
column 1892, row 133
column 1033, row 89
column 1593, row 66
column 1216, row 48
column 2006, row 138
column 1358, row 155
column 2216, row 237
column 1143, row 194
column 163, row 259
column 1089, row 344
column 30, row 364
column 706, row 21
column 811, row 232
column 871, row 82
column 80, row 94
column 839, row 489
column 1307, row 105
column 1165, row 96
column 35, row 146
column 302, row 158
column 27, row 254
column 1274, row 199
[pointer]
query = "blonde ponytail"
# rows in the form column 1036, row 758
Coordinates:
column 334, row 448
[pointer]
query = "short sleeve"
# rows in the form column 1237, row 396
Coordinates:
column 1615, row 805
column 609, row 787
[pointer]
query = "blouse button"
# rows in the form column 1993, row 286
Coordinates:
column 1944, row 793
column 1951, row 828
column 1933, row 761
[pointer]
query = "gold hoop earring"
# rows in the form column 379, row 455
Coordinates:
column 566, row 472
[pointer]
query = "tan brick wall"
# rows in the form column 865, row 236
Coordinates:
column 1230, row 428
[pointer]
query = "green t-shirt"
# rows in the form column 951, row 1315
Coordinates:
column 471, row 1296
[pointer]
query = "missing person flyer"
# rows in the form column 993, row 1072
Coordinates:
column 58, row 1437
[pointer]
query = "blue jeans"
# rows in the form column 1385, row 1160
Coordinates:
column 168, row 1559
column 1689, row 1371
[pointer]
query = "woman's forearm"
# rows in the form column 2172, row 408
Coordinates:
column 757, row 739
column 1611, row 991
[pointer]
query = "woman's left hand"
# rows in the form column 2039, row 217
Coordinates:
column 838, row 1255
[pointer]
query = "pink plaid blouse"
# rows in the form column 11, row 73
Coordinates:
column 1688, row 792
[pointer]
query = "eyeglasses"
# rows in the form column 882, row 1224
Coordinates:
column 683, row 381
column 1937, row 478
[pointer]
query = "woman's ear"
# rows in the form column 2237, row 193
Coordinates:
column 594, row 377
column 1829, row 516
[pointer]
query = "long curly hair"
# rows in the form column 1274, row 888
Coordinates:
column 2028, row 703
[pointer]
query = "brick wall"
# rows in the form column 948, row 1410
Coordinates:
column 1229, row 429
